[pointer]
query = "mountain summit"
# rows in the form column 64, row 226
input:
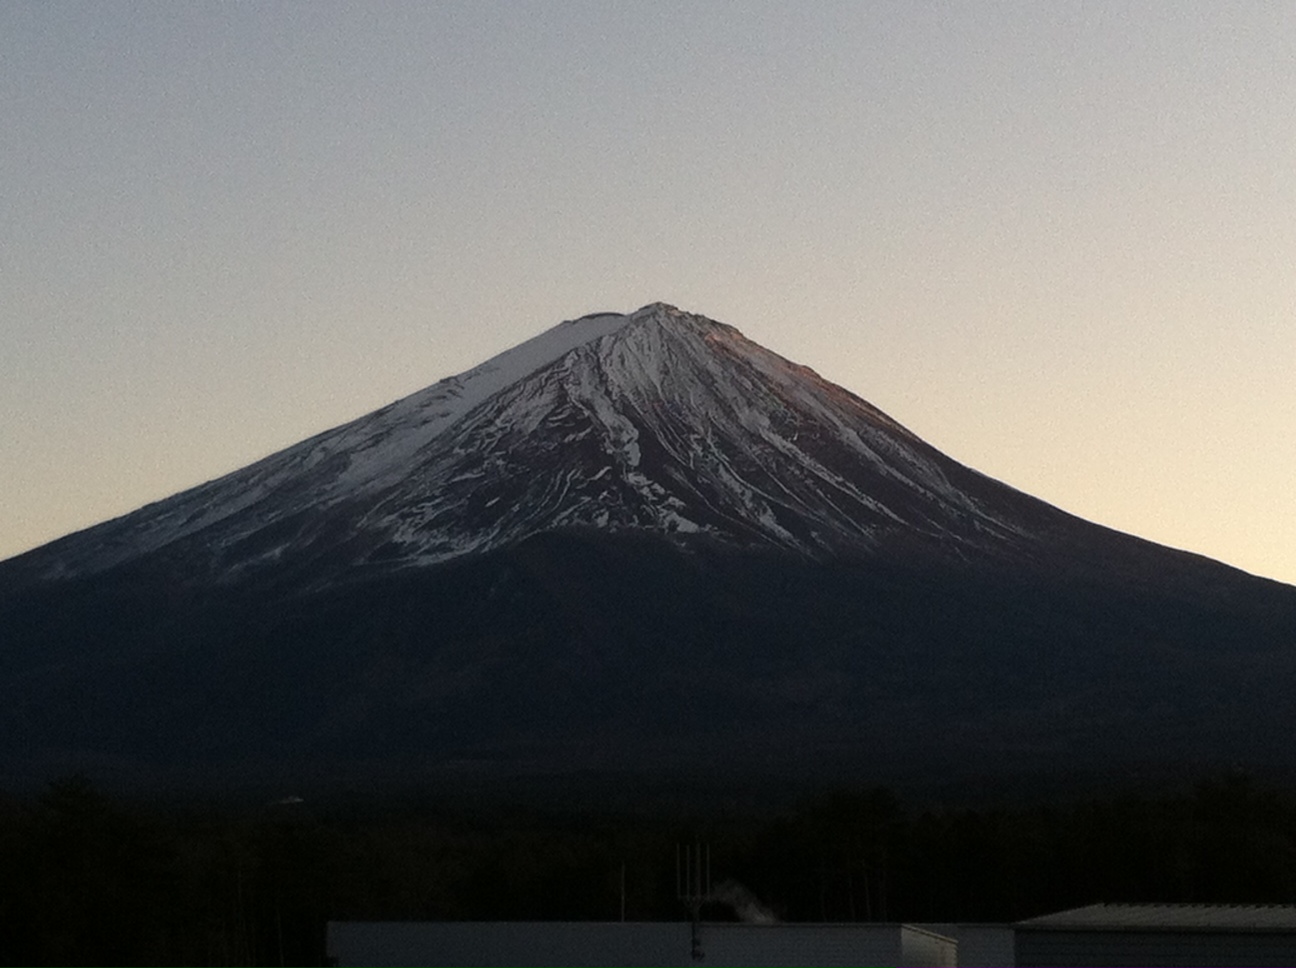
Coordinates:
column 659, row 421
column 635, row 542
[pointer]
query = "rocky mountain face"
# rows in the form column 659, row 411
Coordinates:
column 634, row 542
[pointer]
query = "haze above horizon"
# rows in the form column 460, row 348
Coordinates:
column 1055, row 243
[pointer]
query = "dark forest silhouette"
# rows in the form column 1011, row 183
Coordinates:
column 92, row 879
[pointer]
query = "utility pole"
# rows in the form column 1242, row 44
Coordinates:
column 693, row 886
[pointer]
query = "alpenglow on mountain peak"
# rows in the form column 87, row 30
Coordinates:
column 660, row 421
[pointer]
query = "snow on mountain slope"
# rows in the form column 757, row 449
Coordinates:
column 659, row 420
column 677, row 425
column 341, row 463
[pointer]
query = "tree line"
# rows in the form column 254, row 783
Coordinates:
column 88, row 878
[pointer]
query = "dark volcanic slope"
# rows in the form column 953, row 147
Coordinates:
column 638, row 542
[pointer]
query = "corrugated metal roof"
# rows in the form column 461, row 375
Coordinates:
column 1177, row 917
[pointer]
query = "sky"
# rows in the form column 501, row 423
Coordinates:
column 1057, row 241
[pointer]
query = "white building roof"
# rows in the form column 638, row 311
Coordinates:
column 1172, row 917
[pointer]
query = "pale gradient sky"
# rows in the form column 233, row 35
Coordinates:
column 1058, row 241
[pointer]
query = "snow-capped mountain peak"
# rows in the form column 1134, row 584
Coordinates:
column 635, row 540
column 658, row 420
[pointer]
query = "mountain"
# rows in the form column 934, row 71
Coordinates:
column 635, row 541
column 658, row 421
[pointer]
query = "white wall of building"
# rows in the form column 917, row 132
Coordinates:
column 633, row 944
column 979, row 945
